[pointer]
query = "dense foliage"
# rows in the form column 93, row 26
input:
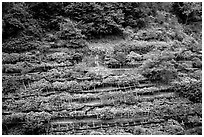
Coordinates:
column 102, row 68
column 188, row 11
column 90, row 19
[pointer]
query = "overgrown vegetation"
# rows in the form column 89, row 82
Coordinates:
column 56, row 81
column 90, row 19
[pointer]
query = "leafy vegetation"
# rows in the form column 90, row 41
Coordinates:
column 192, row 90
column 102, row 68
column 160, row 67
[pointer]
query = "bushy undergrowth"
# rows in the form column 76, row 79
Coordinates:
column 17, row 20
column 140, row 47
column 97, row 18
column 20, row 44
column 122, row 80
column 159, row 68
column 190, row 89
column 133, row 52
column 35, row 122
column 77, row 21
column 10, row 86
column 38, row 85
column 69, row 32
column 106, row 114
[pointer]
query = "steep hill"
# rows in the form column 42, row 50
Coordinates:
column 102, row 75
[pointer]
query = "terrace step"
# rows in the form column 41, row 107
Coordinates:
column 56, row 127
column 99, row 104
column 137, row 91
column 140, row 90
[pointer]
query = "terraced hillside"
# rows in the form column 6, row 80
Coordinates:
column 101, row 72
column 50, row 95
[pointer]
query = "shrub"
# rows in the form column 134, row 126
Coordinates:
column 10, row 85
column 59, row 57
column 30, row 105
column 189, row 89
column 26, row 43
column 162, row 75
column 159, row 68
column 128, row 79
column 10, row 58
column 164, row 27
column 67, row 85
column 121, row 80
column 191, row 44
column 53, row 73
column 41, row 84
column 129, row 98
column 74, row 86
column 70, row 33
column 140, row 47
column 151, row 34
column 35, row 122
column 160, row 34
column 106, row 114
column 59, row 85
